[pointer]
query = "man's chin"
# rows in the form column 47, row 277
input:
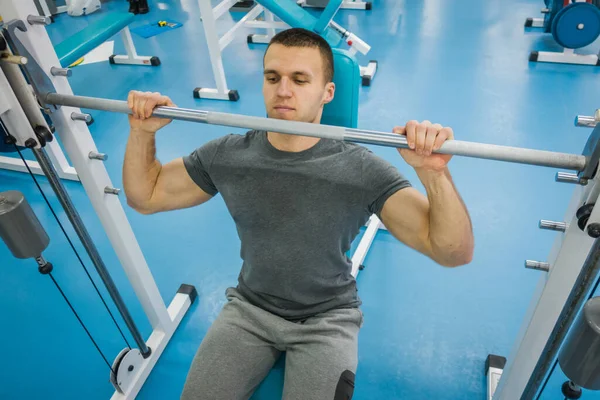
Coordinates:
column 287, row 116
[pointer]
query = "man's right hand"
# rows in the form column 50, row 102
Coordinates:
column 142, row 105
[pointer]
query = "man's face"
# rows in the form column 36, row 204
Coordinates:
column 294, row 85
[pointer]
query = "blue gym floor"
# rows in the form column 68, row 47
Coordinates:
column 427, row 329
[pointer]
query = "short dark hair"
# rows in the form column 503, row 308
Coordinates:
column 299, row 37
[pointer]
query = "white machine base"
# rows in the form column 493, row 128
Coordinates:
column 215, row 94
column 15, row 164
column 368, row 73
column 139, row 60
column 534, row 22
column 494, row 365
column 260, row 39
column 132, row 381
column 566, row 57
column 348, row 4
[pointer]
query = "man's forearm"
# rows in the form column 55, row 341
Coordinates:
column 450, row 229
column 140, row 169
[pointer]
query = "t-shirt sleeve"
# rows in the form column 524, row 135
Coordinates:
column 381, row 180
column 198, row 165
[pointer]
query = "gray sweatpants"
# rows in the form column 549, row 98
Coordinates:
column 245, row 341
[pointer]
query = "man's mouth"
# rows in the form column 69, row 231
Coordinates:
column 283, row 108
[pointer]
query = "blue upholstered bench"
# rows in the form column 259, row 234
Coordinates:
column 343, row 109
column 96, row 33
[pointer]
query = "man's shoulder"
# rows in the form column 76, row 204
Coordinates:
column 231, row 141
column 234, row 140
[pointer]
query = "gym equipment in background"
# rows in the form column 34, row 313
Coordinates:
column 348, row 4
column 70, row 51
column 290, row 15
column 96, row 33
column 573, row 261
column 573, row 25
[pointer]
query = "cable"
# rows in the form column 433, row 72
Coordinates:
column 81, row 322
column 72, row 246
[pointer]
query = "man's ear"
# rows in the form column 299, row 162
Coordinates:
column 329, row 93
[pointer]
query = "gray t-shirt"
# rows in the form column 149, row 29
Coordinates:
column 296, row 214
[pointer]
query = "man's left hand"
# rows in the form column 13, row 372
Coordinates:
column 423, row 139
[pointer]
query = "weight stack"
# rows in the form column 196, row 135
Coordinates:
column 579, row 356
column 19, row 227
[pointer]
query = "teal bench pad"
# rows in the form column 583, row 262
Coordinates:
column 87, row 39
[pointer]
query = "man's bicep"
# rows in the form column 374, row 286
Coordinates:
column 406, row 216
column 175, row 189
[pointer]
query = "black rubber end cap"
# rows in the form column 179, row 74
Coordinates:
column 528, row 22
column 197, row 92
column 111, row 59
column 91, row 121
column 598, row 62
column 2, row 44
column 46, row 268
column 571, row 392
column 494, row 361
column 146, row 354
column 533, row 56
column 361, row 267
column 366, row 80
column 154, row 61
column 189, row 290
column 233, row 95
column 369, row 6
column 373, row 61
column 250, row 39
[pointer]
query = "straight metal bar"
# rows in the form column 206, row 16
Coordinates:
column 454, row 147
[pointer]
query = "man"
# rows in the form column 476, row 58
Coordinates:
column 298, row 203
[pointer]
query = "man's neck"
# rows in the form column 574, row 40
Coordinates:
column 291, row 143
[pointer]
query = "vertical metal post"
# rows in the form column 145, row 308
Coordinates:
column 212, row 40
column 90, row 247
column 577, row 297
column 128, row 42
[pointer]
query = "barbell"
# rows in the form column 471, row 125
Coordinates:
column 454, row 147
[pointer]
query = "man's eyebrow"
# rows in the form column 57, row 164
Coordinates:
column 272, row 71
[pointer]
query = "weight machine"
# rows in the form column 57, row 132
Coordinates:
column 347, row 4
column 281, row 14
column 23, row 119
column 574, row 24
column 567, row 275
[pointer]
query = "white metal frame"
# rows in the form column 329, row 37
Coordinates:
column 46, row 9
column 568, row 56
column 373, row 226
column 566, row 259
column 216, row 44
column 348, row 4
column 132, row 56
column 78, row 143
column 15, row 118
column 537, row 23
